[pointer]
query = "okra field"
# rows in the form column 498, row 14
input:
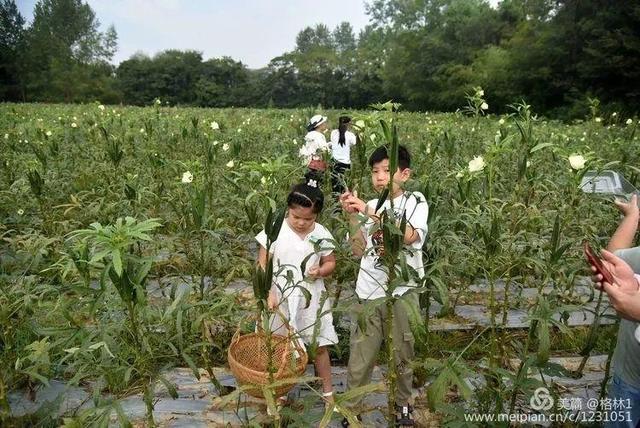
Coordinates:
column 128, row 250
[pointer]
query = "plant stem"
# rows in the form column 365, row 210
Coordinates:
column 5, row 409
column 209, row 368
column 591, row 337
column 131, row 309
column 612, row 347
column 148, row 402
column 391, row 361
column 523, row 360
column 492, row 321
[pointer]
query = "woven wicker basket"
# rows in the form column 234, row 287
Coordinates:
column 248, row 360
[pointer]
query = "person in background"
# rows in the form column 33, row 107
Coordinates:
column 623, row 261
column 341, row 142
column 315, row 141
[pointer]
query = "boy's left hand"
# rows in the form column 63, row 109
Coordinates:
column 343, row 202
column 354, row 204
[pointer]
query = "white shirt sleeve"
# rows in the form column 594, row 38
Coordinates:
column 352, row 138
column 327, row 245
column 417, row 212
column 262, row 240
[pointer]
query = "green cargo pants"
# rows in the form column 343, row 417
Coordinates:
column 365, row 345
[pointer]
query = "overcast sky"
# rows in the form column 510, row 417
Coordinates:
column 251, row 31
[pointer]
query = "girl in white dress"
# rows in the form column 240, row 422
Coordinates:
column 302, row 239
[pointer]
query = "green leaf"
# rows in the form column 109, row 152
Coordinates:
column 307, row 296
column 544, row 342
column 143, row 271
column 540, row 147
column 382, row 198
column 171, row 388
column 555, row 369
column 117, row 262
column 122, row 417
column 187, row 359
column 361, row 391
column 37, row 376
column 303, row 264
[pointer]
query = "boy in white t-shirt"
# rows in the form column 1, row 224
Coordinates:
column 373, row 278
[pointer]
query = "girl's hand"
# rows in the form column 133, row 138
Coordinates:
column 314, row 272
column 623, row 275
column 272, row 300
column 629, row 208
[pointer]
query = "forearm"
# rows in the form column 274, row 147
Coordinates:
column 624, row 234
column 410, row 235
column 356, row 239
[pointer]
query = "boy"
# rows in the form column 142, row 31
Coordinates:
column 373, row 279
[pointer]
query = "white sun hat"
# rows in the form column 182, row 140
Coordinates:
column 316, row 121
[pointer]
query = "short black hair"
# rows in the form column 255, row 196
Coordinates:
column 306, row 195
column 381, row 153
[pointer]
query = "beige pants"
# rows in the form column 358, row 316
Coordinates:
column 365, row 345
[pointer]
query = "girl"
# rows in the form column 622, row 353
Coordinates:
column 300, row 239
column 315, row 141
column 341, row 141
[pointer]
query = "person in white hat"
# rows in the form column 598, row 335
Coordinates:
column 315, row 138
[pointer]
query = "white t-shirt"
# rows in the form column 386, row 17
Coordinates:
column 315, row 137
column 289, row 250
column 314, row 142
column 372, row 277
column 342, row 153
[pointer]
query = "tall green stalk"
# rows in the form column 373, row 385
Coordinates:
column 393, row 240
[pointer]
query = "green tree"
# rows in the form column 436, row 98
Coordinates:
column 63, row 44
column 175, row 75
column 11, row 46
column 433, row 44
column 134, row 77
column 344, row 39
column 224, row 82
column 281, row 86
column 366, row 81
column 170, row 75
column 602, row 48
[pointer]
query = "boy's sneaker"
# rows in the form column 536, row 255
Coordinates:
column 404, row 416
column 346, row 424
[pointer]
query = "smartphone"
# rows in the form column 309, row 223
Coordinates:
column 595, row 261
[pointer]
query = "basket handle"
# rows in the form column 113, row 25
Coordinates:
column 291, row 339
column 300, row 350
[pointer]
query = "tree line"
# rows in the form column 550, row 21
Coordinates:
column 558, row 55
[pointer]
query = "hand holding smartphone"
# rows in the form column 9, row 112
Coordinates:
column 594, row 260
